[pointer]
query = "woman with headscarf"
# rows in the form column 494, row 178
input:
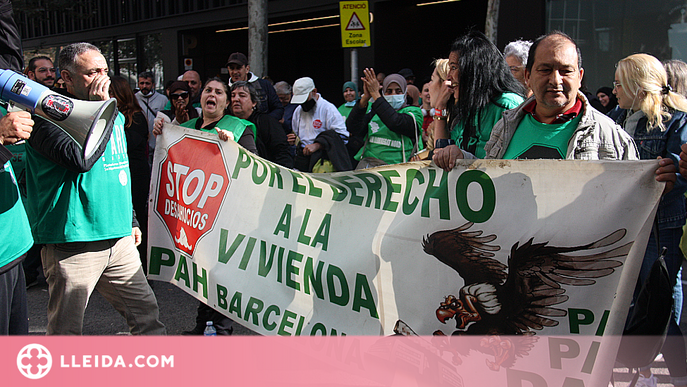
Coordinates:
column 607, row 99
column 350, row 94
column 657, row 119
column 391, row 128
column 483, row 87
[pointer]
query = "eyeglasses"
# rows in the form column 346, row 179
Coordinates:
column 183, row 95
column 616, row 84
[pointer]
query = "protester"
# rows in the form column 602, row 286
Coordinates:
column 81, row 209
column 437, row 91
column 182, row 111
column 516, row 53
column 193, row 79
column 151, row 102
column 483, row 88
column 214, row 101
column 554, row 71
column 407, row 74
column 350, row 94
column 380, row 78
column 426, row 107
column 677, row 75
column 271, row 140
column 657, row 120
column 283, row 90
column 59, row 83
column 607, row 99
column 14, row 224
column 42, row 70
column 136, row 130
column 391, row 128
column 239, row 70
column 319, row 131
column 412, row 95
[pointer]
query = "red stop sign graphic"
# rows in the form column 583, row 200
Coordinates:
column 193, row 182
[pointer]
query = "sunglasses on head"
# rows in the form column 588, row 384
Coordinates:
column 183, row 94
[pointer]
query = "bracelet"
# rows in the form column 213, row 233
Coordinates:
column 440, row 113
column 443, row 143
column 441, row 118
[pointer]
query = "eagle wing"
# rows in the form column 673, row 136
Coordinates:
column 468, row 253
column 537, row 271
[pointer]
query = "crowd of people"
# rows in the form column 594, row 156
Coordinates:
column 526, row 102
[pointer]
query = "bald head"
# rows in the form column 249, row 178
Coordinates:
column 193, row 79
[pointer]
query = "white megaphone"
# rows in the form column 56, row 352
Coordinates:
column 88, row 123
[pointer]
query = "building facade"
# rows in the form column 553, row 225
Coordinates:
column 169, row 37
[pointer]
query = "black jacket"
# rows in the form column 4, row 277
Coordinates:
column 271, row 142
column 333, row 149
column 358, row 121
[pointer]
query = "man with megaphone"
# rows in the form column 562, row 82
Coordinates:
column 80, row 207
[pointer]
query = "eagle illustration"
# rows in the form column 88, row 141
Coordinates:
column 517, row 299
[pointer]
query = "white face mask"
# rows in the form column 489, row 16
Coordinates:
column 396, row 100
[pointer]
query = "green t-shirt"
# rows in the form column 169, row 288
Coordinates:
column 67, row 206
column 15, row 224
column 536, row 140
column 484, row 122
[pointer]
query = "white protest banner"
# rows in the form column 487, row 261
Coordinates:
column 495, row 247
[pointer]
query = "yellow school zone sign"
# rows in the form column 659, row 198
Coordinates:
column 355, row 23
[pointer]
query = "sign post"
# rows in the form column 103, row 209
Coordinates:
column 355, row 30
column 355, row 23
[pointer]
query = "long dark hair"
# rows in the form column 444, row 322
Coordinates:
column 484, row 76
column 126, row 101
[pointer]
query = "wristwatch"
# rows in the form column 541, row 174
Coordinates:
column 443, row 143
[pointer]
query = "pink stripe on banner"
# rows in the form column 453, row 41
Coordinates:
column 126, row 361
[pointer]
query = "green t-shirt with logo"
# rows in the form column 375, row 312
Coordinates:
column 536, row 140
column 67, row 206
column 484, row 122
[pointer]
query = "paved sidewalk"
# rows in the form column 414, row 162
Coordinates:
column 177, row 312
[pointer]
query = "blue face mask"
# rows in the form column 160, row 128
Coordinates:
column 350, row 104
column 396, row 101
